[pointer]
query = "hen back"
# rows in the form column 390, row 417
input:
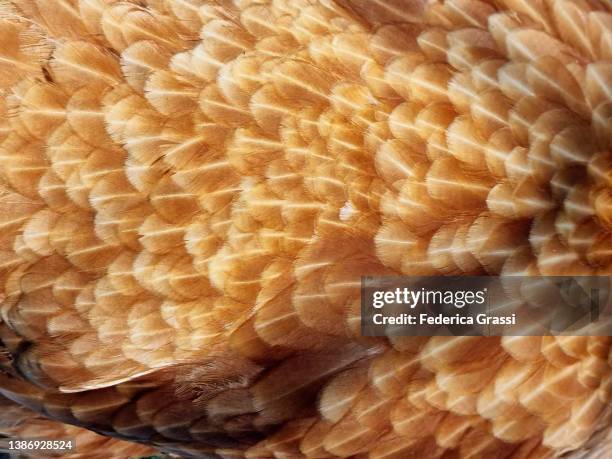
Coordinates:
column 190, row 191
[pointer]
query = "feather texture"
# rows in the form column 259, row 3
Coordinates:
column 190, row 191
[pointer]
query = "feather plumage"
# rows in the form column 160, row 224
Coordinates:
column 190, row 191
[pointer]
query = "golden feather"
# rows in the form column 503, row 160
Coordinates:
column 190, row 191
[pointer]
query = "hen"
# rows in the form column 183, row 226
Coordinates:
column 191, row 191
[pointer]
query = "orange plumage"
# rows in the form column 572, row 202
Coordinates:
column 190, row 191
